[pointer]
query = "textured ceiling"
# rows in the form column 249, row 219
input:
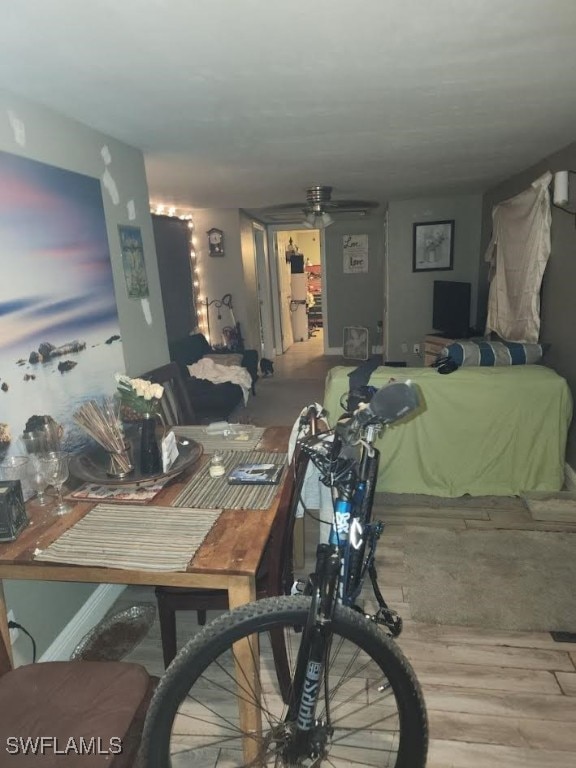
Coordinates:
column 246, row 103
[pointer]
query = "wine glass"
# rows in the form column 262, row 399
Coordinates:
column 56, row 467
column 16, row 468
column 38, row 478
column 50, row 435
column 44, row 439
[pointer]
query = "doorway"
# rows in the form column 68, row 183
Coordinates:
column 290, row 290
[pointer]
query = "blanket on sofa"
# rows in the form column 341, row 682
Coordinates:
column 207, row 369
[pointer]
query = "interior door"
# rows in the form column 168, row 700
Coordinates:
column 284, row 290
column 264, row 293
column 173, row 254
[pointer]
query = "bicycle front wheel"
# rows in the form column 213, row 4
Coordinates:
column 370, row 711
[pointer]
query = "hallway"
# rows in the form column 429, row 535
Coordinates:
column 306, row 358
column 298, row 380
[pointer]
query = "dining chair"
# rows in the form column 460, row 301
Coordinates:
column 95, row 705
column 175, row 406
column 275, row 575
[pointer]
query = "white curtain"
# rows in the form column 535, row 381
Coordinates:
column 518, row 253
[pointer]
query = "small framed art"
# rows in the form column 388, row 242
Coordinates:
column 133, row 261
column 433, row 246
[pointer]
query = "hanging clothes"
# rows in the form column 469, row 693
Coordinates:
column 518, row 253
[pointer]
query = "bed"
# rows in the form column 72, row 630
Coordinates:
column 482, row 431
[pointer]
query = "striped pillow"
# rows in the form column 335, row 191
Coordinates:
column 493, row 353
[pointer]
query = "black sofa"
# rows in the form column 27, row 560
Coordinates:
column 210, row 401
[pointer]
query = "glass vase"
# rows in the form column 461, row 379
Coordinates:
column 120, row 462
column 150, row 457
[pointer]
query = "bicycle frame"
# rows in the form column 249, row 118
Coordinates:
column 341, row 567
column 353, row 533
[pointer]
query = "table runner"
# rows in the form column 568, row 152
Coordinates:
column 215, row 492
column 212, row 443
column 133, row 537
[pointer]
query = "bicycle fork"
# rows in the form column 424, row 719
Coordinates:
column 309, row 737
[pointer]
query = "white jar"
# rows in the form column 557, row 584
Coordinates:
column 217, row 468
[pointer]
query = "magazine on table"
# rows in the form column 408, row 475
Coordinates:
column 255, row 474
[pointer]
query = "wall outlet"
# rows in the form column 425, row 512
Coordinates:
column 14, row 633
column 416, row 349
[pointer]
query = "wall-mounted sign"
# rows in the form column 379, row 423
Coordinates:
column 355, row 248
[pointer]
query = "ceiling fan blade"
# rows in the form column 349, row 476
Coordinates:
column 353, row 205
column 332, row 205
column 285, row 207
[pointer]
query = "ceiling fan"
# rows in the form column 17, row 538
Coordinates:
column 318, row 210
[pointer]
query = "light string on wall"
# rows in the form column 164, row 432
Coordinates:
column 196, row 268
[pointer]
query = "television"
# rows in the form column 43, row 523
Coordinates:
column 451, row 308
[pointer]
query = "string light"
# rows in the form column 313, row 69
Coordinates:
column 201, row 310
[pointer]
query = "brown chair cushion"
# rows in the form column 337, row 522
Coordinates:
column 70, row 700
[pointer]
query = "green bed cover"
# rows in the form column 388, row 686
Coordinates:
column 482, row 431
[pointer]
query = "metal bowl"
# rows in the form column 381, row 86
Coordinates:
column 93, row 467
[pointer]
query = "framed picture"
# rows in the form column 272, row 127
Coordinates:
column 433, row 246
column 215, row 242
column 133, row 261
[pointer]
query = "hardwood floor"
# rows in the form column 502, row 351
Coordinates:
column 494, row 698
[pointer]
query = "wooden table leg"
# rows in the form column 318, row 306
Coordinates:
column 242, row 590
column 6, row 659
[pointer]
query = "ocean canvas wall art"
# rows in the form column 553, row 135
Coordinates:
column 59, row 333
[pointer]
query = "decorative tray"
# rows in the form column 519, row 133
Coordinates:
column 91, row 467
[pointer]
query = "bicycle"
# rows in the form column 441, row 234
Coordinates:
column 353, row 697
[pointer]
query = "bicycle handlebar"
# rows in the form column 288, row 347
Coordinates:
column 390, row 403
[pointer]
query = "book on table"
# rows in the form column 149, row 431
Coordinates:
column 255, row 474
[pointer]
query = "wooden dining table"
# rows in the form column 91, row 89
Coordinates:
column 227, row 559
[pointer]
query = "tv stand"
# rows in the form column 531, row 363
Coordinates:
column 434, row 343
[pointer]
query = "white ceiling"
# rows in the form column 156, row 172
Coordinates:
column 246, row 103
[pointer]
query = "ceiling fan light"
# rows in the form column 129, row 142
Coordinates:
column 326, row 219
column 309, row 221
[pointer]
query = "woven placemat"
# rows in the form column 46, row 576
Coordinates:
column 133, row 537
column 215, row 492
column 246, row 438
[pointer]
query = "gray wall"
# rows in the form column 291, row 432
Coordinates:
column 409, row 316
column 558, row 305
column 353, row 299
column 54, row 139
column 223, row 274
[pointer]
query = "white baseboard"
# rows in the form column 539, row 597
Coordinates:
column 569, row 478
column 93, row 610
column 376, row 350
